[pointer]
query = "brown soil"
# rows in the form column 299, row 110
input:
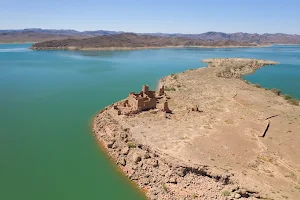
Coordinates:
column 210, row 146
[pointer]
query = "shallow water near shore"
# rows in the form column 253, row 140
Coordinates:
column 48, row 99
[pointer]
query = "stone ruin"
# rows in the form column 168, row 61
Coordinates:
column 143, row 101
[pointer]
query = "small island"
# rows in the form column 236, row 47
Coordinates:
column 130, row 41
column 206, row 134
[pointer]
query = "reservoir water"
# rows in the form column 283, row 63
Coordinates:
column 48, row 99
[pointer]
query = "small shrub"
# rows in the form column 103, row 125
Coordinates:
column 257, row 85
column 165, row 188
column 170, row 89
column 287, row 97
column 298, row 187
column 228, row 121
column 174, row 76
column 195, row 196
column 292, row 174
column 247, row 82
column 219, row 74
column 226, row 193
column 276, row 91
column 131, row 145
column 294, row 102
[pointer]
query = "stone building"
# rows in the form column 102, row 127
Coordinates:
column 143, row 101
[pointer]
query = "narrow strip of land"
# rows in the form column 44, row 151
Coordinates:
column 197, row 137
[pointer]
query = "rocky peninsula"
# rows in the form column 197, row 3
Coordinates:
column 129, row 41
column 206, row 134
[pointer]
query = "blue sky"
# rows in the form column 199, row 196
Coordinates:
column 169, row 16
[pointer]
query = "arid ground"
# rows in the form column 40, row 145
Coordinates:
column 211, row 145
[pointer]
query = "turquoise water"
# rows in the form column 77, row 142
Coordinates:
column 48, row 98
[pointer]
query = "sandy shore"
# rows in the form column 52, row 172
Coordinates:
column 216, row 151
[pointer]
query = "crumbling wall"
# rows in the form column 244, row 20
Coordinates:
column 161, row 91
column 133, row 101
column 145, row 100
column 149, row 103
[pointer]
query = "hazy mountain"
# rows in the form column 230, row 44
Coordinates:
column 243, row 37
column 38, row 35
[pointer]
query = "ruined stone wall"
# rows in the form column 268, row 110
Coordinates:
column 151, row 94
column 146, row 103
column 132, row 101
column 161, row 90
column 145, row 100
column 149, row 104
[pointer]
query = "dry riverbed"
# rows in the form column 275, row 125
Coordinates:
column 210, row 146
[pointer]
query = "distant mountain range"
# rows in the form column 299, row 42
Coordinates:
column 40, row 35
column 277, row 38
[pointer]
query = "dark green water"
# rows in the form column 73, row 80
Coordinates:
column 48, row 98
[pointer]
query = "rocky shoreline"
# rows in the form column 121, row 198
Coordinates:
column 155, row 172
column 163, row 168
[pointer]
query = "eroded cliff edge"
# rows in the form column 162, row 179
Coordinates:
column 209, row 146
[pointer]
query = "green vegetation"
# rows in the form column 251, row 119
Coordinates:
column 174, row 76
column 228, row 121
column 165, row 188
column 297, row 187
column 195, row 196
column 247, row 82
column 294, row 102
column 183, row 138
column 292, row 174
column 170, row 89
column 219, row 74
column 257, row 85
column 287, row 96
column 226, row 193
column 291, row 100
column 276, row 91
column 131, row 145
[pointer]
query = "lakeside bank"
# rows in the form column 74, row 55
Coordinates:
column 175, row 155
